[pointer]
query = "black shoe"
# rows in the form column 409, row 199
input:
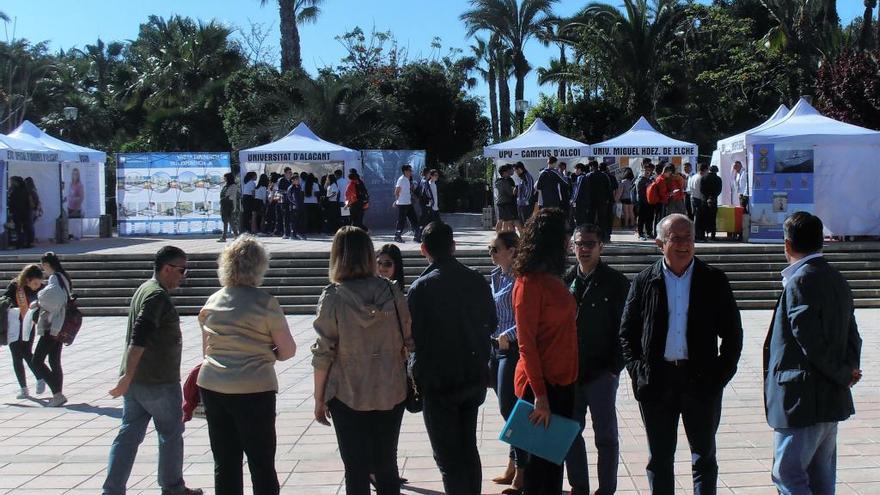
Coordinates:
column 399, row 239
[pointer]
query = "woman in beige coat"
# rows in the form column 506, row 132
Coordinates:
column 363, row 327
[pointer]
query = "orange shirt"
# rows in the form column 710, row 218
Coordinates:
column 546, row 329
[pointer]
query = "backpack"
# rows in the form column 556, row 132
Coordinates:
column 72, row 317
column 363, row 196
column 652, row 194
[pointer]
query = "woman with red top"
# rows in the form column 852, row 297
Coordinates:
column 545, row 313
column 357, row 199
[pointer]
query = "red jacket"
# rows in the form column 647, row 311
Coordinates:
column 666, row 186
column 191, row 393
column 546, row 328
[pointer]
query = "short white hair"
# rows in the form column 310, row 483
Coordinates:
column 243, row 263
column 665, row 225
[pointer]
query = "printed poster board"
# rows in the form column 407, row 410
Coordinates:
column 782, row 184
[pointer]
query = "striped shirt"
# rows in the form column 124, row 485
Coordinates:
column 502, row 292
column 525, row 189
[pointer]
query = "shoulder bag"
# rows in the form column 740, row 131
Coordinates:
column 413, row 400
column 72, row 317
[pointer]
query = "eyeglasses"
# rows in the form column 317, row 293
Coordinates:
column 180, row 269
column 679, row 240
column 385, row 264
column 586, row 244
column 493, row 250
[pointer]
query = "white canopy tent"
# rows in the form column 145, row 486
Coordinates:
column 301, row 150
column 82, row 171
column 535, row 145
column 845, row 173
column 29, row 159
column 733, row 149
column 643, row 141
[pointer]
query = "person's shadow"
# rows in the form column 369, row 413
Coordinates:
column 111, row 412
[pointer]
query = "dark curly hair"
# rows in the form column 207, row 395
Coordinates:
column 543, row 247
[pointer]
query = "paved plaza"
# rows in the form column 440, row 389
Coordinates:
column 53, row 451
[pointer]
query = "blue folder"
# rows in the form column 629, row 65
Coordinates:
column 551, row 443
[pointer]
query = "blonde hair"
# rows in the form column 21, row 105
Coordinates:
column 351, row 255
column 243, row 263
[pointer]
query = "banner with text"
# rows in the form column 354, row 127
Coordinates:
column 170, row 193
column 782, row 184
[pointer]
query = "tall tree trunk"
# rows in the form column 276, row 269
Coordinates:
column 290, row 57
column 866, row 36
column 563, row 64
column 520, row 69
column 503, row 101
column 493, row 101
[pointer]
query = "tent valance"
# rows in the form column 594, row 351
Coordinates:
column 300, row 145
column 66, row 152
column 537, row 142
column 643, row 140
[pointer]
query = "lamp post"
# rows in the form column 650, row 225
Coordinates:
column 522, row 106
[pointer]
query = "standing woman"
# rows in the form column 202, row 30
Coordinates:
column 626, row 199
column 546, row 329
column 389, row 264
column 363, row 327
column 505, row 348
column 261, row 195
column 331, row 205
column 228, row 198
column 356, row 199
column 36, row 209
column 52, row 301
column 243, row 333
column 311, row 191
column 75, row 195
column 21, row 293
column 248, row 188
column 20, row 210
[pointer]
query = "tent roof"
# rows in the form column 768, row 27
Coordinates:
column 738, row 142
column 67, row 152
column 643, row 135
column 804, row 122
column 25, row 151
column 538, row 141
column 300, row 144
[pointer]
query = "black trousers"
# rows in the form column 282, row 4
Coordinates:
column 48, row 347
column 356, row 216
column 368, row 444
column 646, row 218
column 711, row 220
column 242, row 424
column 700, row 415
column 699, row 209
column 451, row 421
column 429, row 215
column 331, row 217
column 291, row 220
column 404, row 213
column 542, row 476
column 21, row 351
column 247, row 211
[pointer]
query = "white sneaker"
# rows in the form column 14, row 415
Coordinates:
column 24, row 394
column 41, row 387
column 57, row 400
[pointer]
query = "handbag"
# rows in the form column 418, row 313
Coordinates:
column 72, row 318
column 413, row 402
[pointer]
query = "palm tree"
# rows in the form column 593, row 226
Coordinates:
column 293, row 13
column 553, row 32
column 865, row 39
column 485, row 54
column 503, row 71
column 514, row 22
column 102, row 60
column 560, row 73
column 630, row 46
column 4, row 17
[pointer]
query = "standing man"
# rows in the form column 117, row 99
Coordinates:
column 741, row 185
column 711, row 187
column 608, row 224
column 150, row 379
column 403, row 202
column 342, row 184
column 811, row 361
column 505, row 200
column 284, row 211
column 696, row 200
column 595, row 190
column 430, row 198
column 549, row 186
column 646, row 210
column 525, row 191
column 675, row 313
column 600, row 292
column 687, row 173
column 453, row 318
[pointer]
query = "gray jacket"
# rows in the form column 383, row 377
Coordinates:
column 53, row 305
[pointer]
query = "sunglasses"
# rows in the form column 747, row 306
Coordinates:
column 180, row 269
column 586, row 244
column 385, row 264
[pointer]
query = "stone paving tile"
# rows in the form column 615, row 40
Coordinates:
column 65, row 450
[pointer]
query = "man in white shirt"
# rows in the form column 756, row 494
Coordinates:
column 681, row 339
column 342, row 184
column 697, row 207
column 741, row 185
column 403, row 202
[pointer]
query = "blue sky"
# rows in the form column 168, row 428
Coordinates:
column 415, row 23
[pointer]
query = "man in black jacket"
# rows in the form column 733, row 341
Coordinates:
column 600, row 292
column 811, row 361
column 710, row 186
column 550, row 186
column 675, row 313
column 453, row 317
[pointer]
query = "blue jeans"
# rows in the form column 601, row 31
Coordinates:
column 162, row 404
column 805, row 459
column 600, row 396
column 503, row 368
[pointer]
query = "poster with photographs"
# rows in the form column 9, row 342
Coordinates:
column 169, row 193
column 82, row 194
column 782, row 184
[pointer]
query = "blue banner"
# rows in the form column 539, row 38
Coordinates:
column 782, row 184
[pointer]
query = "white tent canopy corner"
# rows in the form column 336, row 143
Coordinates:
column 300, row 149
column 844, row 166
column 642, row 140
column 82, row 171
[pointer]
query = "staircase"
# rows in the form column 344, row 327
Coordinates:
column 104, row 283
